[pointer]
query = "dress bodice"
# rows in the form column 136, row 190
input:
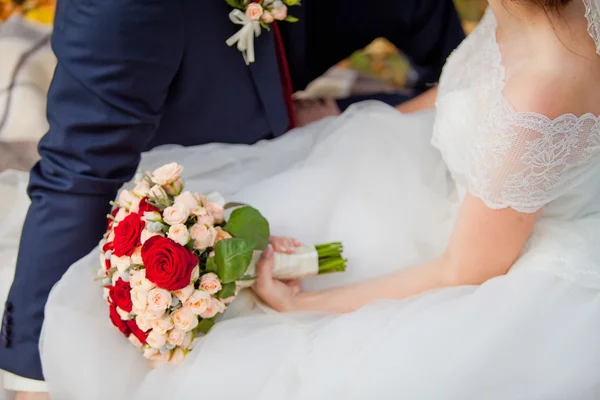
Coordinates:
column 522, row 160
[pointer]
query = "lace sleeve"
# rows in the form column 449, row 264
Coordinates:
column 526, row 160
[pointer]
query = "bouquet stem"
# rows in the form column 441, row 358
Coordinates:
column 330, row 258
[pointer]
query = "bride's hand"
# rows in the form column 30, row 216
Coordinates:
column 284, row 244
column 279, row 295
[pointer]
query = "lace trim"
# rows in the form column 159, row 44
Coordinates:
column 592, row 14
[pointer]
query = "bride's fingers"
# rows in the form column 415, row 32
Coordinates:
column 295, row 286
column 264, row 269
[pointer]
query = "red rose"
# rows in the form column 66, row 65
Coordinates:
column 117, row 321
column 128, row 235
column 120, row 294
column 110, row 220
column 168, row 264
column 146, row 207
column 136, row 331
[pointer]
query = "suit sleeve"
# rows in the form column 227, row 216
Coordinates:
column 116, row 61
column 427, row 33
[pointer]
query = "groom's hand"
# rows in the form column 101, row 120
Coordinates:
column 309, row 111
column 32, row 396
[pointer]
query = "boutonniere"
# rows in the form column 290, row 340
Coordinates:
column 254, row 15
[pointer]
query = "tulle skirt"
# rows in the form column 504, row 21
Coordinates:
column 372, row 180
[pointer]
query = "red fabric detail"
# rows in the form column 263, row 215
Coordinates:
column 284, row 74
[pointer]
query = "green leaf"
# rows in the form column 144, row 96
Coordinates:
column 291, row 3
column 236, row 3
column 289, row 18
column 205, row 325
column 247, row 223
column 232, row 257
column 227, row 291
column 211, row 265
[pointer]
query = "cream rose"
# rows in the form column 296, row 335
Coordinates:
column 254, row 11
column 149, row 352
column 135, row 205
column 115, row 277
column 123, row 314
column 176, row 214
column 176, row 337
column 146, row 234
column 207, row 220
column 122, row 263
column 121, row 214
column 210, row 283
column 198, row 302
column 187, row 340
column 142, row 188
column 159, row 359
column 280, row 13
column 187, row 199
column 138, row 279
column 159, row 299
column 183, row 294
column 184, row 319
column 163, row 325
column 199, row 211
column 267, row 17
column 221, row 235
column 203, row 237
column 106, row 294
column 139, row 298
column 166, row 174
column 195, row 274
column 178, row 356
column 143, row 323
column 156, row 339
column 216, row 211
column 152, row 315
column 136, row 257
column 215, row 307
column 179, row 233
column 135, row 341
column 174, row 188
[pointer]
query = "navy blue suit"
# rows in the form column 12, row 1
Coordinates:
column 134, row 74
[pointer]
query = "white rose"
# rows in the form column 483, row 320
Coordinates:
column 179, row 233
column 166, row 174
column 146, row 234
column 199, row 211
column 121, row 214
column 136, row 257
column 215, row 307
column 142, row 188
column 198, row 302
column 152, row 216
column 125, row 199
column 195, row 274
column 280, row 13
column 176, row 214
column 254, row 11
column 159, row 299
column 135, row 341
column 157, row 192
column 210, row 283
column 139, row 298
column 187, row 199
column 149, row 352
column 138, row 278
column 143, row 323
column 267, row 17
column 174, row 188
column 135, row 205
column 178, row 356
column 122, row 263
column 183, row 294
column 115, row 277
column 203, row 237
column 163, row 325
column 156, row 339
column 184, row 319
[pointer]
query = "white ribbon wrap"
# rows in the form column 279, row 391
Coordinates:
column 302, row 263
column 245, row 36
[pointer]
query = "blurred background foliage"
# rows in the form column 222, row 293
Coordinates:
column 380, row 60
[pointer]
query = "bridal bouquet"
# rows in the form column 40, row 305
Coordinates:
column 171, row 262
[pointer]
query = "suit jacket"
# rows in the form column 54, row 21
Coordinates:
column 134, row 74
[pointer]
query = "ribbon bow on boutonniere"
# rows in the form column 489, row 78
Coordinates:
column 254, row 15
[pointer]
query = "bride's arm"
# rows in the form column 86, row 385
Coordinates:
column 424, row 101
column 485, row 243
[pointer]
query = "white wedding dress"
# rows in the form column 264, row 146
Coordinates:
column 371, row 179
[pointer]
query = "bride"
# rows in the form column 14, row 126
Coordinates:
column 474, row 266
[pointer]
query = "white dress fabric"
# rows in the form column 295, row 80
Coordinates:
column 371, row 179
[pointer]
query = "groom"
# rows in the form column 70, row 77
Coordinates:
column 136, row 74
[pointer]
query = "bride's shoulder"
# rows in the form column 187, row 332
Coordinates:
column 556, row 88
